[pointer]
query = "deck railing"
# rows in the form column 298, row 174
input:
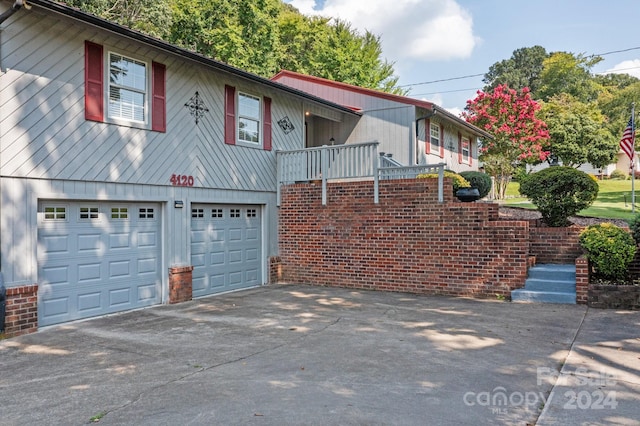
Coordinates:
column 344, row 162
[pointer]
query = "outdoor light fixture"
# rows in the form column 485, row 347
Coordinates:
column 178, row 204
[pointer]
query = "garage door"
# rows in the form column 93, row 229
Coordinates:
column 97, row 258
column 225, row 248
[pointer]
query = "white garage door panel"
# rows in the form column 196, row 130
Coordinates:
column 225, row 248
column 107, row 263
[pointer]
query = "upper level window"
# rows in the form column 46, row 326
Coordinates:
column 248, row 118
column 435, row 137
column 127, row 88
column 124, row 91
column 465, row 150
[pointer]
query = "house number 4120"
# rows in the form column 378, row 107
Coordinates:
column 181, row 180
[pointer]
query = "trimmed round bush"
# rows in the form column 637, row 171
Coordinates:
column 610, row 249
column 457, row 180
column 480, row 181
column 618, row 175
column 559, row 192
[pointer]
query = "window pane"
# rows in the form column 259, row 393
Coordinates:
column 128, row 72
column 126, row 104
column 248, row 106
column 248, row 130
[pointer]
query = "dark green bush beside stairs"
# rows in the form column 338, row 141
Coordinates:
column 480, row 181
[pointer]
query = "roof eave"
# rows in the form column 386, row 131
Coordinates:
column 167, row 47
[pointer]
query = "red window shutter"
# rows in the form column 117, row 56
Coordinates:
column 93, row 82
column 441, row 141
column 158, row 98
column 470, row 153
column 229, row 115
column 459, row 147
column 427, row 136
column 266, row 127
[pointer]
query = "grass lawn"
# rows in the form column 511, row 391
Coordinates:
column 613, row 202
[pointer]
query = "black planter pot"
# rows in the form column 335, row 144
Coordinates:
column 468, row 194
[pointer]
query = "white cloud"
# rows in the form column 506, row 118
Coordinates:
column 631, row 67
column 409, row 29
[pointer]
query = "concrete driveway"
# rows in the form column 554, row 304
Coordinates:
column 305, row 355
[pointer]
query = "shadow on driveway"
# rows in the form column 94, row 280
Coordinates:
column 289, row 354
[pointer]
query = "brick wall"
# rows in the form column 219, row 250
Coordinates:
column 554, row 245
column 21, row 315
column 180, row 284
column 408, row 242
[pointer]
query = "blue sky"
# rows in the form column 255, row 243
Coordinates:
column 440, row 39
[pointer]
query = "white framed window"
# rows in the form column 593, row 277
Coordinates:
column 249, row 118
column 435, row 137
column 55, row 213
column 89, row 212
column 146, row 213
column 465, row 149
column 127, row 88
column 197, row 213
column 119, row 213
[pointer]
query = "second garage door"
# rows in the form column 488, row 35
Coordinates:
column 226, row 247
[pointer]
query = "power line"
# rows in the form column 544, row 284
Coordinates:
column 443, row 79
column 446, row 91
column 482, row 74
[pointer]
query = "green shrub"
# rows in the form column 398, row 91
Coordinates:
column 618, row 175
column 634, row 225
column 457, row 180
column 480, row 181
column 559, row 192
column 610, row 249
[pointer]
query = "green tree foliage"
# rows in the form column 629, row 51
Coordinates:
column 259, row 36
column 578, row 132
column 559, row 192
column 152, row 17
column 564, row 72
column 521, row 70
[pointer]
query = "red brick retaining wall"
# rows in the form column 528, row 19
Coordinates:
column 21, row 316
column 554, row 245
column 408, row 242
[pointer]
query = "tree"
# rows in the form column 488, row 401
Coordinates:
column 518, row 135
column 578, row 132
column 521, row 70
column 564, row 72
column 152, row 17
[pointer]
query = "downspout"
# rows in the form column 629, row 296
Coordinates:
column 16, row 6
column 424, row 117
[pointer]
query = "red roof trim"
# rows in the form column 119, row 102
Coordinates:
column 352, row 88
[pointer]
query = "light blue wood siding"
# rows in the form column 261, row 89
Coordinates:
column 48, row 151
column 44, row 133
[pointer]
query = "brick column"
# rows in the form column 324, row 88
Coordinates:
column 275, row 269
column 21, row 315
column 180, row 284
column 582, row 280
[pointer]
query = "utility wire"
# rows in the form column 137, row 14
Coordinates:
column 482, row 74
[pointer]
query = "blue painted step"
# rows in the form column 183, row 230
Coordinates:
column 548, row 283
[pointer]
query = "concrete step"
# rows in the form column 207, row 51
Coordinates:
column 537, row 284
column 522, row 295
column 553, row 272
column 548, row 283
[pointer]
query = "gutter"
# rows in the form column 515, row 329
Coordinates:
column 16, row 7
column 167, row 47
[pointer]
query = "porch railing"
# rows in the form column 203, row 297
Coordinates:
column 343, row 162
